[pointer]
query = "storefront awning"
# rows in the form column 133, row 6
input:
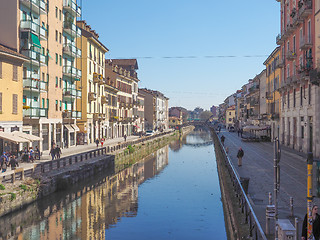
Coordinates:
column 35, row 40
column 75, row 127
column 12, row 138
column 29, row 137
column 68, row 126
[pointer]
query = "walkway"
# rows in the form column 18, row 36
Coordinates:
column 257, row 165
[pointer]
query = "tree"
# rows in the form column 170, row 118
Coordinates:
column 205, row 115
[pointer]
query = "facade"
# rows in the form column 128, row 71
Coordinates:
column 299, row 91
column 140, row 113
column 93, row 123
column 39, row 30
column 273, row 64
column 230, row 116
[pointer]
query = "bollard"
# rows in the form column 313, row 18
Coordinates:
column 291, row 206
column 296, row 225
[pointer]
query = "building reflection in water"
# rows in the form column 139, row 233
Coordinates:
column 87, row 213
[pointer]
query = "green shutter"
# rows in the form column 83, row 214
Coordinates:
column 35, row 40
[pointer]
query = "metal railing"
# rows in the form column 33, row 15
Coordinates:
column 255, row 229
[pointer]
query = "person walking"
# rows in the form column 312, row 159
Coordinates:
column 125, row 137
column 58, row 151
column 97, row 142
column 52, row 153
column 13, row 162
column 315, row 224
column 101, row 141
column 222, row 139
column 240, row 155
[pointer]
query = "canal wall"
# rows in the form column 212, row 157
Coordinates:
column 26, row 186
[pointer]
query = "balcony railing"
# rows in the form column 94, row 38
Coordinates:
column 72, row 7
column 291, row 55
column 36, row 57
column 92, row 96
column 306, row 42
column 38, row 6
column 29, row 25
column 279, row 39
column 35, row 112
column 72, row 29
column 71, row 50
column 98, row 78
column 72, row 72
column 34, row 85
column 305, row 8
column 76, row 114
column 71, row 93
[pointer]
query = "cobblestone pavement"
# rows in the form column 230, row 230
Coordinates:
column 257, row 164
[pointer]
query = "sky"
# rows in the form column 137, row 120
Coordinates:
column 196, row 52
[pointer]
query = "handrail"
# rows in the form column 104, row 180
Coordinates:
column 242, row 192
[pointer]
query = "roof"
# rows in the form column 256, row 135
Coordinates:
column 8, row 51
column 126, row 62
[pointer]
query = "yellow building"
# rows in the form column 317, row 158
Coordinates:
column 273, row 65
column 93, row 122
column 230, row 116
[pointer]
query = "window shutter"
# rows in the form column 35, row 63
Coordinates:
column 0, row 69
column 0, row 101
column 15, row 103
column 15, row 73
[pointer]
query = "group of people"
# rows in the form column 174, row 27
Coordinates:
column 29, row 155
column 7, row 160
column 55, row 152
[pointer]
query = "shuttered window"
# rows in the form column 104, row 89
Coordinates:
column 0, row 101
column 0, row 69
column 15, row 103
column 15, row 73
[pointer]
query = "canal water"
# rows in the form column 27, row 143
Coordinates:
column 172, row 194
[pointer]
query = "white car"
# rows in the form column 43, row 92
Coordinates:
column 149, row 133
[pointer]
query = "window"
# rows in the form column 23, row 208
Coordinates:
column 47, row 78
column 0, row 69
column 229, row 113
column 301, row 97
column 60, row 107
column 90, row 68
column 294, row 44
column 43, row 102
column 60, row 13
column 230, row 119
column 288, row 99
column 60, row 60
column 60, row 82
column 56, row 36
column 56, row 82
column 56, row 12
column 60, row 37
column 302, row 131
column 56, row 105
column 294, row 97
column 47, row 102
column 56, row 58
column 14, row 103
column 15, row 73
column 24, row 15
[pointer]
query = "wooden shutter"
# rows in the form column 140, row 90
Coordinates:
column 15, row 103
column 15, row 73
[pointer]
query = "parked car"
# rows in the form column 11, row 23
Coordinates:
column 232, row 129
column 149, row 133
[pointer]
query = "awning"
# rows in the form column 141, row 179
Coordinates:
column 12, row 138
column 75, row 127
column 68, row 126
column 35, row 40
column 29, row 137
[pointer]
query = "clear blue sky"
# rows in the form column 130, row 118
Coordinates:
column 183, row 28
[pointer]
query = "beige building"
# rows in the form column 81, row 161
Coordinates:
column 93, row 104
column 230, row 116
column 44, row 32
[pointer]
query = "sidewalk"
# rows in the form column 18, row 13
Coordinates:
column 69, row 151
column 257, row 164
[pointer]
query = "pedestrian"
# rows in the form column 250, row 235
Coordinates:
column 222, row 139
column 31, row 154
column 4, row 166
column 241, row 131
column 315, row 224
column 58, row 152
column 240, row 155
column 13, row 162
column 97, row 142
column 101, row 141
column 52, row 153
column 37, row 153
column 125, row 137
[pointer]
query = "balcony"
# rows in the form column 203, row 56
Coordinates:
column 92, row 96
column 306, row 42
column 71, row 29
column 269, row 95
column 37, row 58
column 97, row 78
column 71, row 93
column 39, row 6
column 35, row 112
column 28, row 25
column 96, row 116
column 34, row 85
column 76, row 114
column 280, row 39
column 305, row 8
column 72, row 72
column 280, row 63
column 104, row 100
column 72, row 8
column 291, row 55
column 66, row 114
column 71, row 50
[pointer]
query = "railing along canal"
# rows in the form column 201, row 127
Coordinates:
column 251, row 219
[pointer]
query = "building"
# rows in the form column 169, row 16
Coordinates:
column 299, row 90
column 39, row 30
column 213, row 109
column 273, row 64
column 230, row 117
column 94, row 121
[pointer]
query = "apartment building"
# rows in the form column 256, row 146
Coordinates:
column 299, row 91
column 39, row 29
column 273, row 64
column 93, row 123
column 230, row 116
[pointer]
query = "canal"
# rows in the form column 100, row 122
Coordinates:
column 172, row 194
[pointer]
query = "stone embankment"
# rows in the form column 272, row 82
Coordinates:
column 27, row 185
